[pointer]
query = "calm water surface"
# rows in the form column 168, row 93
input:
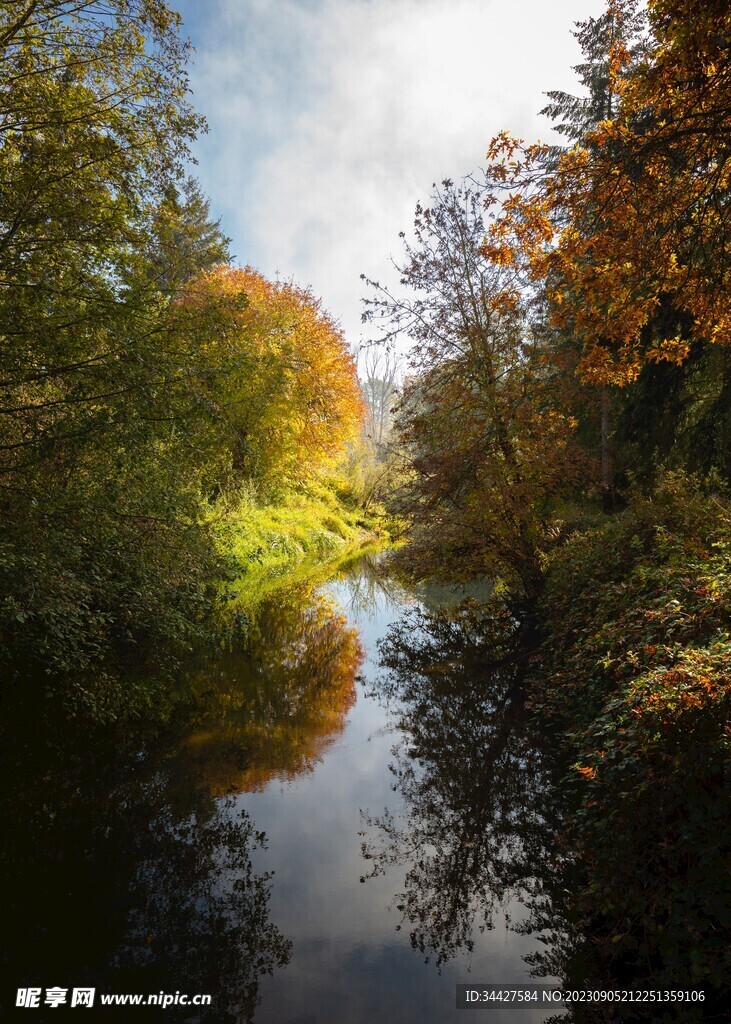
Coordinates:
column 342, row 823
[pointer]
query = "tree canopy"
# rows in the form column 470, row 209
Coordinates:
column 140, row 375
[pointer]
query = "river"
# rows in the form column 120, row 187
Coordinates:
column 341, row 821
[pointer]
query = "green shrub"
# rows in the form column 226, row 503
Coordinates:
column 635, row 679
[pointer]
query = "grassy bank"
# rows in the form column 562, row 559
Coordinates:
column 287, row 535
column 254, row 545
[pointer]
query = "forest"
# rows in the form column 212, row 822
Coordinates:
column 564, row 427
column 150, row 390
column 178, row 432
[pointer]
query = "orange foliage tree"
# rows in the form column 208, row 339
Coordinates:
column 630, row 228
column 272, row 711
column 290, row 400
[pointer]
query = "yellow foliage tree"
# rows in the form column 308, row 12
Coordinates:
column 291, row 400
column 630, row 227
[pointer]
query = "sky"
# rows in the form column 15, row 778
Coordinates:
column 329, row 119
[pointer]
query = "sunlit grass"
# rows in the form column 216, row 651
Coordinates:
column 292, row 534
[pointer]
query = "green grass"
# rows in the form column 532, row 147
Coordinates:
column 289, row 534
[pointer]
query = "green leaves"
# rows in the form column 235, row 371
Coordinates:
column 636, row 680
column 103, row 546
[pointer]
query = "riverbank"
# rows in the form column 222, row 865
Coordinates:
column 286, row 536
column 98, row 661
column 633, row 682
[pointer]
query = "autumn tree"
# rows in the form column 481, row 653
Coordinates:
column 662, row 176
column 628, row 233
column 667, row 226
column 575, row 117
column 630, row 227
column 289, row 400
column 488, row 441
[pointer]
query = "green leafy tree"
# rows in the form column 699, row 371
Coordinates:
column 187, row 239
column 575, row 117
column 102, row 544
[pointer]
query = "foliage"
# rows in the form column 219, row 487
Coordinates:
column 269, row 539
column 677, row 417
column 137, row 384
column 482, row 420
column 576, row 117
column 634, row 675
column 629, row 226
column 103, row 546
column 290, row 400
column 186, row 239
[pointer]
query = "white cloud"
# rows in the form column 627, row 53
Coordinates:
column 330, row 118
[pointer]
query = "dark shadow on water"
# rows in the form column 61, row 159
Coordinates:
column 482, row 824
column 109, row 883
column 479, row 817
column 127, row 866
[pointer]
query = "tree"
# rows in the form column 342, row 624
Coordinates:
column 103, row 546
column 631, row 227
column 95, row 124
column 380, row 387
column 628, row 229
column 186, row 239
column 488, row 441
column 289, row 400
column 577, row 117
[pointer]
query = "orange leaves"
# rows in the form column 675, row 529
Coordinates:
column 670, row 350
column 501, row 253
column 658, row 188
column 291, row 397
column 503, row 147
column 635, row 214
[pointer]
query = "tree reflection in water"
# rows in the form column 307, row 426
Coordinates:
column 130, row 868
column 270, row 711
column 370, row 587
column 109, row 882
column 477, row 825
column 199, row 918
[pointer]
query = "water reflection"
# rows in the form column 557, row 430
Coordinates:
column 111, row 883
column 478, row 820
column 272, row 710
column 131, row 867
column 136, row 861
column 370, row 588
column 485, row 818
